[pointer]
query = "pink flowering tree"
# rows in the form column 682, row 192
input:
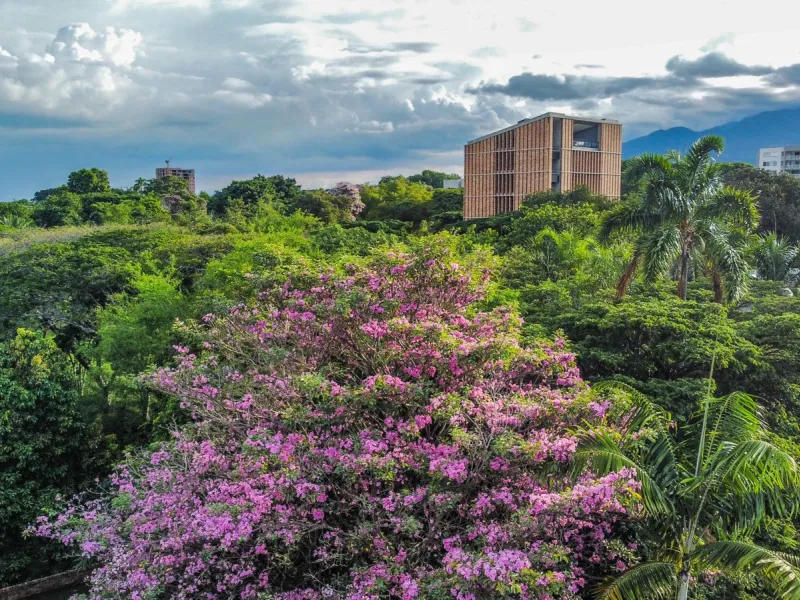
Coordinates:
column 352, row 193
column 374, row 436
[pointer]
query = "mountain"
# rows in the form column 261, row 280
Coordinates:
column 742, row 138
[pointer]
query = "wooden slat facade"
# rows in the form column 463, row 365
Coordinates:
column 502, row 169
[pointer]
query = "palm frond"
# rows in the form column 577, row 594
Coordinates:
column 655, row 463
column 758, row 465
column 666, row 198
column 644, row 412
column 774, row 256
column 732, row 418
column 731, row 204
column 659, row 249
column 781, row 570
column 647, row 581
column 694, row 163
column 650, row 165
column 629, row 216
column 723, row 251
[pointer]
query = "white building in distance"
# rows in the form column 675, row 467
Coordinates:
column 782, row 159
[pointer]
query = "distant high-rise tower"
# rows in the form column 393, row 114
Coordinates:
column 551, row 151
column 185, row 174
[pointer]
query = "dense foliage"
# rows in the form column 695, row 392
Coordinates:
column 112, row 280
column 46, row 452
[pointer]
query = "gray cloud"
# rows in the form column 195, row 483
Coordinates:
column 588, row 66
column 575, row 87
column 785, row 76
column 713, row 64
column 683, row 75
column 355, row 17
column 418, row 47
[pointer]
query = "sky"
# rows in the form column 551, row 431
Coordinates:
column 329, row 91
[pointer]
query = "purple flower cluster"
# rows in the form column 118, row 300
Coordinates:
column 372, row 437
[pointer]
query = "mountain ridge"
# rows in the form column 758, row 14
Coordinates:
column 743, row 137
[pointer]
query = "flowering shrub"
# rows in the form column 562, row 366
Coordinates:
column 370, row 437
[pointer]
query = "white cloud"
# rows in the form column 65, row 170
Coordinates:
column 245, row 99
column 82, row 44
column 6, row 54
column 372, row 127
column 125, row 5
column 81, row 72
column 234, row 83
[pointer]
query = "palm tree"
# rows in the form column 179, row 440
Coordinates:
column 686, row 220
column 16, row 222
column 774, row 256
column 701, row 497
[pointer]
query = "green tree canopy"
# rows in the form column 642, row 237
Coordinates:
column 260, row 189
column 435, row 179
column 58, row 209
column 778, row 196
column 45, row 448
column 88, row 181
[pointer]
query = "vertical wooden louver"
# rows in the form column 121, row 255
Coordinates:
column 500, row 170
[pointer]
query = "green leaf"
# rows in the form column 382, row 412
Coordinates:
column 647, row 581
column 781, row 570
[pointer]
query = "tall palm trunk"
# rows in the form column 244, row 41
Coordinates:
column 686, row 249
column 683, row 275
column 683, row 586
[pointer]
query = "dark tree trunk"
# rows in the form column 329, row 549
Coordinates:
column 719, row 289
column 627, row 276
column 683, row 275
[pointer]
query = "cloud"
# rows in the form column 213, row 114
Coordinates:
column 125, row 5
column 716, row 42
column 785, row 76
column 683, row 75
column 372, row 127
column 234, row 83
column 245, row 99
column 713, row 64
column 574, row 87
column 81, row 72
column 6, row 54
column 420, row 47
column 488, row 52
column 81, row 43
column 228, row 86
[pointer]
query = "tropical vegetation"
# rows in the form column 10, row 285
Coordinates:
column 277, row 392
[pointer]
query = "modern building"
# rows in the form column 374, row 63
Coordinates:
column 453, row 184
column 551, row 151
column 783, row 159
column 185, row 174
